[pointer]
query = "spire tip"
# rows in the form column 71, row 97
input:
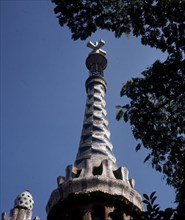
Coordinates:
column 96, row 47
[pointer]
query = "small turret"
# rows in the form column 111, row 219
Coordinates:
column 24, row 200
column 23, row 206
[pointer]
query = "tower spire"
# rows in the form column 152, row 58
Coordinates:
column 95, row 141
column 94, row 187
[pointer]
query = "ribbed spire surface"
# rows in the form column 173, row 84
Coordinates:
column 95, row 141
column 94, row 177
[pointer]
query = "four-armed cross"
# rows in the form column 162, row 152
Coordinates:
column 96, row 47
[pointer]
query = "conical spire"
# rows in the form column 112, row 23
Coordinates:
column 94, row 178
column 95, row 141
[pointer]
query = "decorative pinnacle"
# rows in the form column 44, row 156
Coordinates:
column 24, row 200
column 96, row 47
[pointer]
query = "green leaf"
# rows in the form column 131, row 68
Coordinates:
column 146, row 202
column 118, row 106
column 119, row 114
column 138, row 147
column 123, row 91
column 153, row 199
column 156, row 206
column 125, row 116
column 147, row 158
column 158, row 168
column 152, row 195
column 146, row 196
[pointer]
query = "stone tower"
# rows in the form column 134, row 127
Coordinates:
column 22, row 210
column 94, row 188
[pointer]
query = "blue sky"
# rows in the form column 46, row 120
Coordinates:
column 43, row 98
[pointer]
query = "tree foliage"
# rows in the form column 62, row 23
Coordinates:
column 160, row 23
column 153, row 211
column 157, row 115
column 156, row 110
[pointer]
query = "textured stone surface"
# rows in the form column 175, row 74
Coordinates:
column 25, row 200
column 95, row 141
column 22, row 210
column 95, row 170
column 92, row 179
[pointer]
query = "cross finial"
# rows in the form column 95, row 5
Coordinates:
column 96, row 47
